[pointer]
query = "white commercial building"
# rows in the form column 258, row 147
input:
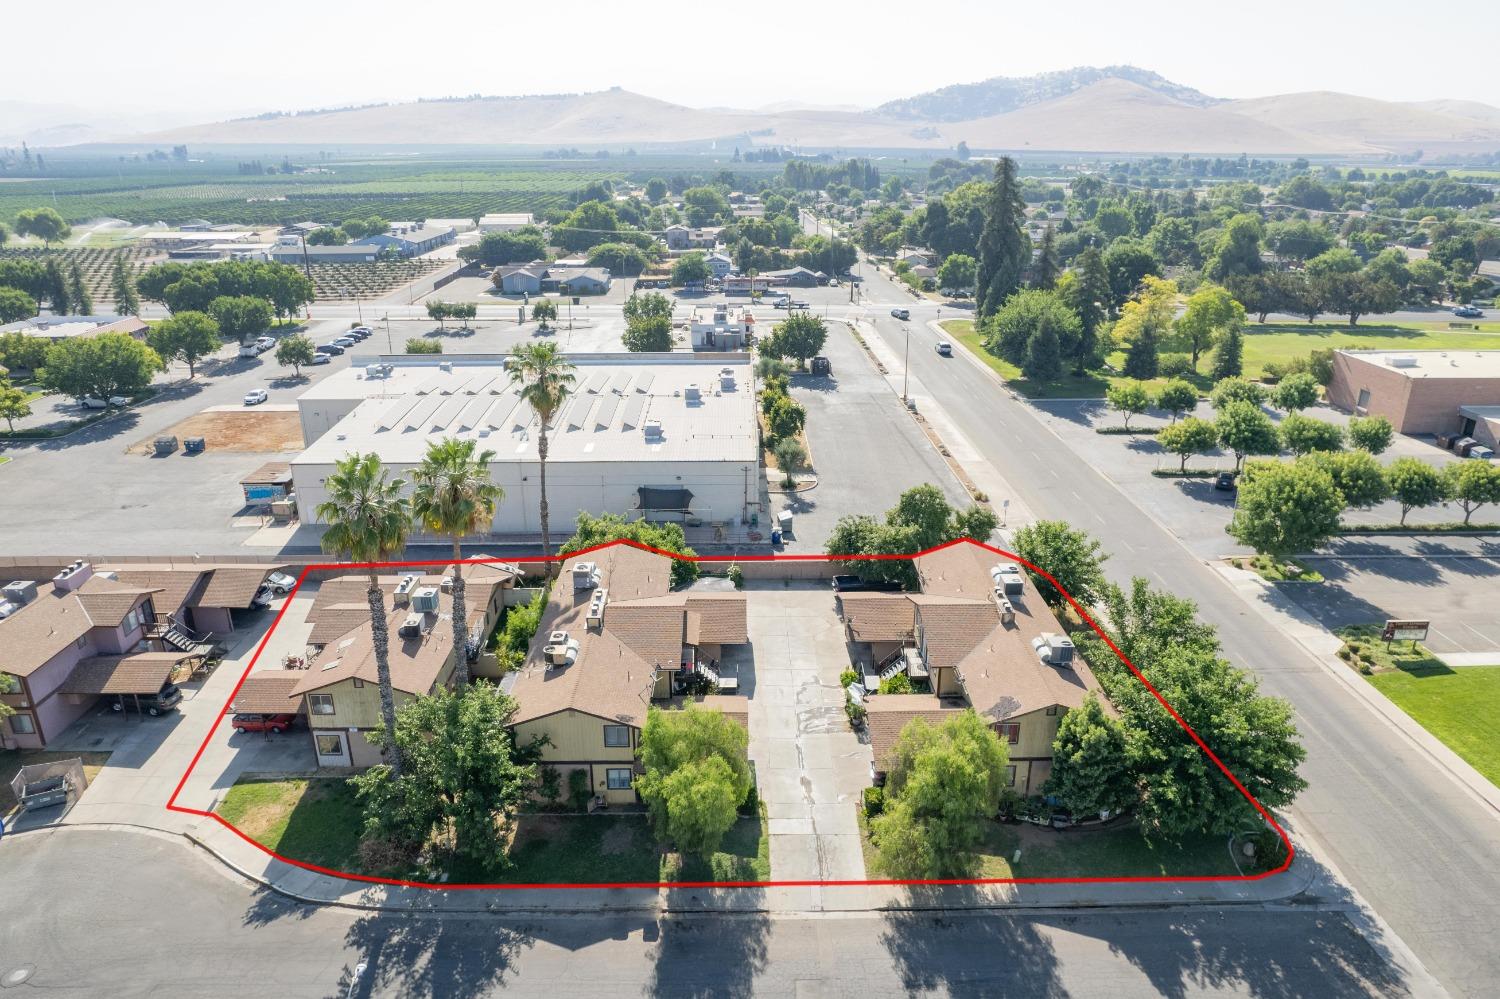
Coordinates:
column 667, row 437
column 720, row 327
column 504, row 221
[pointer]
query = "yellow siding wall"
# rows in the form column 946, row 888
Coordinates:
column 575, row 737
column 353, row 707
column 945, row 682
column 1038, row 729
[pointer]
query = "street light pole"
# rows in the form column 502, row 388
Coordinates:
column 389, row 346
column 906, row 363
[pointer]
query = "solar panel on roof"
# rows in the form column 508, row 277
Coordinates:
column 605, row 414
column 644, row 382
column 473, row 410
column 422, row 412
column 579, row 415
column 448, row 410
column 634, row 407
column 499, row 411
column 596, row 382
column 620, row 381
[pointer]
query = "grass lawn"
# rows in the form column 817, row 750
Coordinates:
column 1274, row 571
column 1460, row 706
column 3, row 459
column 318, row 820
column 12, row 760
column 1047, row 853
column 1278, row 342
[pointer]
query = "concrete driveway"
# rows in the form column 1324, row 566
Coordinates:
column 811, row 768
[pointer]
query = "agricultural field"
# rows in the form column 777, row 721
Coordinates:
column 95, row 265
column 332, row 282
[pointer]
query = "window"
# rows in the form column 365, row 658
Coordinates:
column 330, row 745
column 320, row 704
column 1010, row 733
column 1363, row 400
column 618, row 778
column 1010, row 776
column 616, row 736
column 1052, row 711
column 358, row 683
column 22, row 724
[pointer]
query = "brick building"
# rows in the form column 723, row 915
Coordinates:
column 1422, row 391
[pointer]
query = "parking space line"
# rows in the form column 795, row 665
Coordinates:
column 1482, row 636
column 1459, row 645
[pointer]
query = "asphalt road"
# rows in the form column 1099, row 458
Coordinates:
column 94, row 913
column 1423, row 852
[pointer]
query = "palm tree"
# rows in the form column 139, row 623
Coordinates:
column 546, row 378
column 368, row 520
column 453, row 495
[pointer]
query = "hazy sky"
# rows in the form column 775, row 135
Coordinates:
column 168, row 55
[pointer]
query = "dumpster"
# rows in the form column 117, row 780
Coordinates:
column 165, row 446
column 193, row 445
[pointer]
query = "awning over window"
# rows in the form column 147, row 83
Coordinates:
column 661, row 498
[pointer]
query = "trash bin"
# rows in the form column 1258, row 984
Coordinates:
column 775, row 536
column 784, row 521
column 192, row 445
column 165, row 445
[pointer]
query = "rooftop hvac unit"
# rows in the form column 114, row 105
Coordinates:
column 7, row 609
column 404, row 588
column 425, row 600
column 652, row 430
column 445, row 365
column 690, row 393
column 561, row 650
column 595, row 617
column 22, row 591
column 1056, row 650
column 74, row 575
column 585, row 575
column 447, row 584
column 1401, row 361
column 415, row 626
column 373, row 371
column 1007, row 611
column 1008, row 580
column 726, row 382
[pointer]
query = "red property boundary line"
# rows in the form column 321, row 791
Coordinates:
column 1082, row 613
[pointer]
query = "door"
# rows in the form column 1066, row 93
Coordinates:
column 1468, row 430
column 332, row 748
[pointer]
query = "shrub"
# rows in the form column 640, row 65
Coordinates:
column 898, row 683
column 579, row 790
column 1174, row 366
column 549, row 784
column 847, row 677
column 874, row 801
column 855, row 713
column 419, row 345
column 737, row 576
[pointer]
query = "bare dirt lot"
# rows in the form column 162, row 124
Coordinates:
column 235, row 429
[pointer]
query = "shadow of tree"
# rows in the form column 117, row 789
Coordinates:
column 699, row 957
column 969, row 954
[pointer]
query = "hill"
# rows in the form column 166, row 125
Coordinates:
column 1347, row 119
column 1001, row 94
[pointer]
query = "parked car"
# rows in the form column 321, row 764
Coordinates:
column 854, row 584
column 320, row 359
column 798, row 305
column 331, row 349
column 821, row 367
column 357, row 334
column 1225, row 481
column 256, row 396
column 945, row 348
column 361, row 329
column 1468, row 312
column 901, row 313
column 262, row 723
column 89, row 402
column 265, row 343
column 345, row 341
column 280, row 583
column 162, row 701
column 782, row 303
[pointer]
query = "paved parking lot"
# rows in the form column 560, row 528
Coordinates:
column 1454, row 583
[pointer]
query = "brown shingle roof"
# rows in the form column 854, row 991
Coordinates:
column 108, row 601
column 877, row 617
column 32, row 636
column 175, row 585
column 889, row 714
column 140, row 673
column 722, row 618
column 233, row 586
column 273, row 692
column 652, row 628
column 953, row 626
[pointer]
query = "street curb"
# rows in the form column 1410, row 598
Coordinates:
column 1446, row 759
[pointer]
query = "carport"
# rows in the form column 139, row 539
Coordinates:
column 269, row 693
column 123, row 676
column 229, row 588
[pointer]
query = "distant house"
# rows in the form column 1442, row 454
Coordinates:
column 411, row 239
column 581, row 280
column 55, row 329
column 537, row 277
column 796, row 277
column 914, row 258
column 720, row 266
column 520, row 279
column 680, row 237
column 720, row 327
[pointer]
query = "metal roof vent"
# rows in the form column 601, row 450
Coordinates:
column 690, row 393
column 652, row 430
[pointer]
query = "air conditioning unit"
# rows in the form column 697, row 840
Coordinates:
column 1055, row 650
column 1008, row 580
column 405, row 587
column 447, row 584
column 595, row 616
column 560, row 650
column 74, row 575
column 1007, row 611
column 691, row 394
column 21, row 592
column 425, row 600
column 445, row 365
column 585, row 575
column 652, row 430
column 414, row 626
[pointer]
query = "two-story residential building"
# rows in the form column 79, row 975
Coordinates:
column 340, row 684
column 720, row 327
column 720, row 265
column 971, row 641
column 680, row 238
column 615, row 639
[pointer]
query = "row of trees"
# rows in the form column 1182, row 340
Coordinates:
column 442, row 311
column 921, row 519
column 195, row 287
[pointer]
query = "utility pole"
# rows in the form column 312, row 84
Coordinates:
column 906, row 364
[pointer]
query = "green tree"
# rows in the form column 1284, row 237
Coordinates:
column 463, row 776
column 43, row 223
column 621, row 259
column 1144, row 321
column 327, row 236
column 1044, row 360
column 546, row 379
column 651, row 305
column 1189, row 437
column 439, row 311
column 99, row 367
column 1245, row 431
column 920, row 520
column 1237, row 251
column 1472, row 484
column 295, row 351
column 656, row 189
column 544, row 311
column 944, row 783
column 122, row 288
column 785, row 419
column 188, row 337
column 1128, row 262
column 1129, row 398
column 240, row 317
column 368, row 520
column 1303, row 435
column 1090, row 297
column 789, row 455
column 1046, row 267
column 1004, row 248
column 591, row 532
column 1229, row 355
column 1073, row 558
column 56, row 285
column 1236, row 389
column 799, row 336
column 22, row 351
column 1357, row 475
column 1210, row 312
column 586, row 226
column 453, row 494
column 14, row 404
column 1009, row 331
column 690, row 267
column 1370, row 433
column 1145, row 623
column 16, row 305
column 648, row 334
column 519, row 246
column 1286, row 507
column 1177, row 397
column 285, row 287
column 1090, row 769
column 79, row 299
column 697, row 774
column 1295, row 392
column 1414, row 484
column 958, row 270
